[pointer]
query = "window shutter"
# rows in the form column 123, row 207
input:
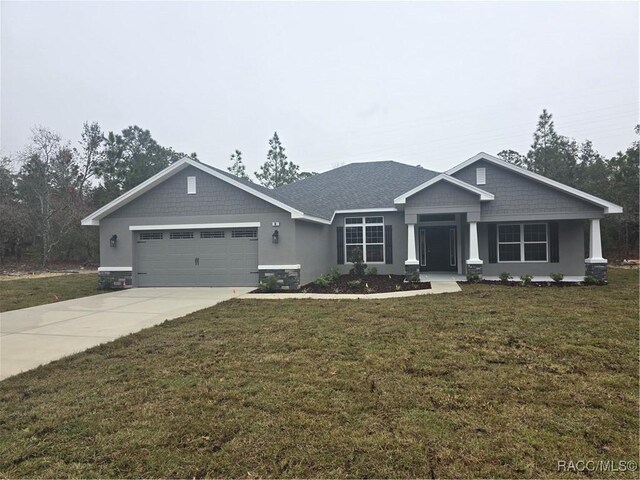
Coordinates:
column 340, row 244
column 388, row 244
column 554, row 243
column 493, row 243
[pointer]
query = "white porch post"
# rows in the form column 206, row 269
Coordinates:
column 595, row 243
column 474, row 255
column 411, row 245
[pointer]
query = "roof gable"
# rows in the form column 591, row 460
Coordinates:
column 443, row 177
column 609, row 207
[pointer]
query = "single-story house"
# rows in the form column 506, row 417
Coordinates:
column 195, row 225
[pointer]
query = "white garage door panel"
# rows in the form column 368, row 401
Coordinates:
column 196, row 261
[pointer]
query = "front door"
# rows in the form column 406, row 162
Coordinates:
column 438, row 249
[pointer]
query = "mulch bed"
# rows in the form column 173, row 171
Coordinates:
column 368, row 284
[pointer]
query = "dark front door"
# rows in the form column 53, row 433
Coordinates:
column 438, row 248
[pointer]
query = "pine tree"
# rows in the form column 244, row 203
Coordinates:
column 277, row 170
column 237, row 167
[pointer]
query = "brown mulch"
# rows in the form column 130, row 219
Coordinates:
column 368, row 284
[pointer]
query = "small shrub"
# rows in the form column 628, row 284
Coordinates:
column 369, row 289
column 557, row 277
column 322, row 281
column 270, row 285
column 473, row 277
column 372, row 271
column 354, row 283
column 398, row 287
column 526, row 279
column 334, row 275
column 359, row 267
column 505, row 277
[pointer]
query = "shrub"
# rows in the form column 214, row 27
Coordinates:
column 526, row 279
column 505, row 277
column 556, row 277
column 473, row 277
column 334, row 275
column 359, row 267
column 323, row 281
column 270, row 285
column 354, row 283
column 372, row 271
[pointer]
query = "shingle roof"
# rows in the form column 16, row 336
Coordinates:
column 353, row 186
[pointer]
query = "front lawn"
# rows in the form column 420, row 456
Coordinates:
column 491, row 382
column 29, row 292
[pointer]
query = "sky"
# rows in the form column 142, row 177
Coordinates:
column 428, row 84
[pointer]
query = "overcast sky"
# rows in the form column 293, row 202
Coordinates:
column 420, row 83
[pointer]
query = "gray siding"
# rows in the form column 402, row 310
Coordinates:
column 313, row 244
column 518, row 197
column 396, row 220
column 213, row 196
column 443, row 194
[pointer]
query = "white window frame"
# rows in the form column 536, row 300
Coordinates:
column 522, row 242
column 191, row 185
column 364, row 226
column 481, row 176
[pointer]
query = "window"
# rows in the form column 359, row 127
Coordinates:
column 191, row 185
column 150, row 235
column 523, row 242
column 366, row 234
column 212, row 234
column 244, row 233
column 481, row 176
column 180, row 235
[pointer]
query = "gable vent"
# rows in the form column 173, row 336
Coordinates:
column 481, row 176
column 191, row 185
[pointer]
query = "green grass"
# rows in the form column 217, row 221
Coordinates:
column 29, row 292
column 492, row 382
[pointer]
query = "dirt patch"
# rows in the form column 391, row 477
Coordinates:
column 366, row 285
column 532, row 284
column 15, row 275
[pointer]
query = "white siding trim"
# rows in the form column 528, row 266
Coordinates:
column 194, row 226
column 484, row 195
column 279, row 267
column 115, row 269
column 608, row 206
column 363, row 210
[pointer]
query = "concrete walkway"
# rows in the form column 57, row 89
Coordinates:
column 33, row 336
column 436, row 287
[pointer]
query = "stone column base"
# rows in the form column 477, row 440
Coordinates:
column 596, row 271
column 474, row 271
column 412, row 273
column 115, row 280
column 285, row 279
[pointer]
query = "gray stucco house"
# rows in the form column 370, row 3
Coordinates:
column 196, row 225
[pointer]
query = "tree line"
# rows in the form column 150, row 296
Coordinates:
column 49, row 186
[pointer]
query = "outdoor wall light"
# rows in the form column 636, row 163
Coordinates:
column 275, row 236
column 113, row 241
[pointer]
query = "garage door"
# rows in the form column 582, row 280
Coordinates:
column 221, row 257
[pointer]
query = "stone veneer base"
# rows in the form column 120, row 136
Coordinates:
column 412, row 273
column 474, row 269
column 597, row 271
column 115, row 280
column 287, row 279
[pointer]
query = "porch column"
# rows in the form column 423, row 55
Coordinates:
column 595, row 265
column 411, row 265
column 474, row 264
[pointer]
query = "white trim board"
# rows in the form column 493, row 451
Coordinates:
column 192, row 226
column 115, row 269
column 484, row 195
column 279, row 267
column 608, row 206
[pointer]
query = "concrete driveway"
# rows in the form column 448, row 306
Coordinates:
column 33, row 336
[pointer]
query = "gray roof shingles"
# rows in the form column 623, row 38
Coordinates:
column 352, row 186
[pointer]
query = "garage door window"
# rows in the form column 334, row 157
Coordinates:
column 180, row 235
column 244, row 233
column 212, row 234
column 150, row 236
